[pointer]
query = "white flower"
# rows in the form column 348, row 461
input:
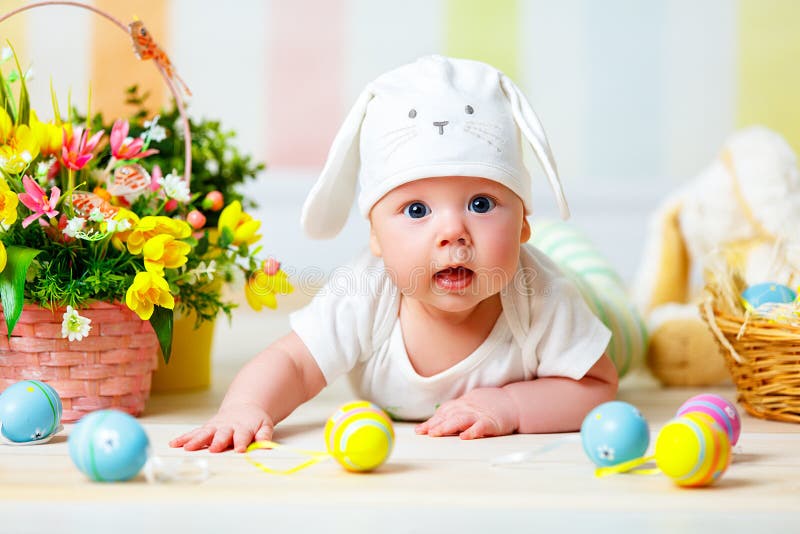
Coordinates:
column 74, row 326
column 117, row 226
column 605, row 452
column 6, row 54
column 212, row 166
column 42, row 168
column 175, row 187
column 74, row 226
column 108, row 439
column 153, row 131
column 203, row 270
column 158, row 133
column 96, row 216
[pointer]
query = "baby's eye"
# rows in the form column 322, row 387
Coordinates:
column 412, row 113
column 469, row 110
column 416, row 210
column 481, row 204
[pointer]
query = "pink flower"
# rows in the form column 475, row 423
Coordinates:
column 36, row 200
column 124, row 147
column 155, row 177
column 76, row 151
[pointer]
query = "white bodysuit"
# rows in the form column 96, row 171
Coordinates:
column 352, row 327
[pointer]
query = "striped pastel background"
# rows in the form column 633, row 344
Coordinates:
column 636, row 96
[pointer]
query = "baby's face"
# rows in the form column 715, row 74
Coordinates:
column 449, row 242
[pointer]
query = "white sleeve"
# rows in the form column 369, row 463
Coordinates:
column 339, row 323
column 565, row 338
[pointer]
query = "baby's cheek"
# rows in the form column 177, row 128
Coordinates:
column 500, row 265
column 407, row 276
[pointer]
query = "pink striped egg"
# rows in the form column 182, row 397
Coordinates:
column 720, row 409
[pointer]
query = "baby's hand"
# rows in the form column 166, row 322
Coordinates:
column 480, row 413
column 237, row 425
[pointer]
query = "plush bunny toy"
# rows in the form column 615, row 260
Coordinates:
column 748, row 197
column 435, row 117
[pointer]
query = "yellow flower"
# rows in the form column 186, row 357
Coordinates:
column 8, row 204
column 6, row 126
column 164, row 251
column 152, row 226
column 147, row 290
column 241, row 225
column 48, row 136
column 3, row 256
column 120, row 237
column 261, row 289
column 20, row 149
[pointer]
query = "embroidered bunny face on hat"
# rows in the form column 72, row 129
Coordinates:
column 435, row 117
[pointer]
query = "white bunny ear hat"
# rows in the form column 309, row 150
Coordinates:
column 435, row 117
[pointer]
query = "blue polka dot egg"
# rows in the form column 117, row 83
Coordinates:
column 108, row 446
column 30, row 411
column 613, row 433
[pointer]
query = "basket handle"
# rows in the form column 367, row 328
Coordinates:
column 712, row 323
column 160, row 60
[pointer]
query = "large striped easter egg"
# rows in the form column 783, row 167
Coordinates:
column 721, row 409
column 108, row 446
column 693, row 450
column 360, row 436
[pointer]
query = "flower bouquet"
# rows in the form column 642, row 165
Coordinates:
column 99, row 249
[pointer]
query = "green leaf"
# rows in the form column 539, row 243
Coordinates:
column 12, row 283
column 225, row 237
column 23, row 117
column 54, row 100
column 162, row 324
column 8, row 98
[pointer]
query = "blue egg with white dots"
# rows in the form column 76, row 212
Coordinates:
column 108, row 446
column 30, row 411
column 613, row 433
column 768, row 292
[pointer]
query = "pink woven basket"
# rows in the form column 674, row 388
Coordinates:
column 110, row 368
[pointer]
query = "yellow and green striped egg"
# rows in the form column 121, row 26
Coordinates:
column 359, row 436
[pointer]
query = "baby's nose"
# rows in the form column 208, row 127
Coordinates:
column 461, row 241
column 441, row 125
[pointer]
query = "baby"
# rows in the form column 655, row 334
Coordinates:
column 449, row 319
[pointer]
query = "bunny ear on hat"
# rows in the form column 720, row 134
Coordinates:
column 532, row 130
column 328, row 204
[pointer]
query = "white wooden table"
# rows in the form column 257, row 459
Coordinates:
column 429, row 484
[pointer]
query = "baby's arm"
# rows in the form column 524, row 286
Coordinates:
column 264, row 392
column 550, row 404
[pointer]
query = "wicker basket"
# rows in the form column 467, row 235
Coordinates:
column 763, row 358
column 110, row 368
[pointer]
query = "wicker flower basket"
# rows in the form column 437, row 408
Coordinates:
column 762, row 356
column 113, row 366
column 110, row 368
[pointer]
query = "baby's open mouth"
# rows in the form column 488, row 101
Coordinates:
column 453, row 278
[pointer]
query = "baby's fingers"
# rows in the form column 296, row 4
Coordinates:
column 452, row 425
column 423, row 428
column 181, row 440
column 199, row 438
column 482, row 428
column 222, row 440
column 264, row 433
column 242, row 437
